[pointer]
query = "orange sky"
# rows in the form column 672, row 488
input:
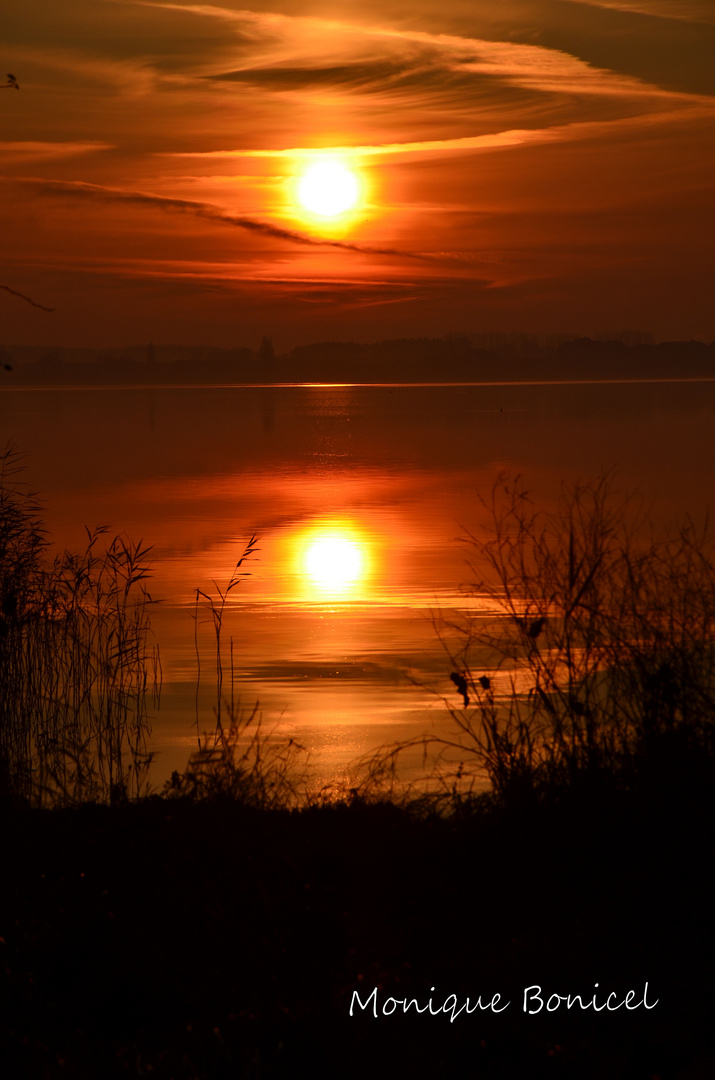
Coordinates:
column 526, row 165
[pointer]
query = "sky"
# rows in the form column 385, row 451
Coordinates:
column 521, row 165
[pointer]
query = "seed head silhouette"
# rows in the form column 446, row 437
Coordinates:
column 461, row 683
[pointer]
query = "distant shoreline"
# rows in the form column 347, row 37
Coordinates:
column 407, row 362
column 357, row 385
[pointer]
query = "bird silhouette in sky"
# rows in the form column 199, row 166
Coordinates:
column 12, row 83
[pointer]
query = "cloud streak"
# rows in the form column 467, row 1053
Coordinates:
column 27, row 299
column 300, row 51
column 75, row 189
column 496, row 141
column 697, row 11
column 472, row 142
column 34, row 151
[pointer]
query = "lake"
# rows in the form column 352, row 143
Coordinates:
column 360, row 497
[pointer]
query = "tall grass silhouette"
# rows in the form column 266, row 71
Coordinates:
column 78, row 669
column 76, row 660
column 215, row 605
column 238, row 759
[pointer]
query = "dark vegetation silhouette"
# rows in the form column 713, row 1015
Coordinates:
column 587, row 668
column 78, row 669
column 221, row 928
column 76, row 660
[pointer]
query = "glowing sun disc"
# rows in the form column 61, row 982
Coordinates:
column 328, row 188
column 334, row 561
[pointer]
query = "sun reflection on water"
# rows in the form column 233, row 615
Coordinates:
column 332, row 561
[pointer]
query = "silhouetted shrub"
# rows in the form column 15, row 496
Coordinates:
column 600, row 662
column 585, row 658
column 242, row 762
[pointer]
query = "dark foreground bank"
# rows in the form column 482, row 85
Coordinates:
column 175, row 939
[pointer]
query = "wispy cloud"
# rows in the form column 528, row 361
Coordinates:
column 327, row 291
column 71, row 66
column 75, row 189
column 698, row 11
column 499, row 140
column 473, row 142
column 18, row 152
column 297, row 51
column 415, row 91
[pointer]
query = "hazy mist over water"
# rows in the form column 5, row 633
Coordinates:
column 358, row 496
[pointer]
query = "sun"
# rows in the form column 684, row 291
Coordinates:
column 328, row 188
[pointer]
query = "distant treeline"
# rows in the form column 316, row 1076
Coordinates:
column 453, row 358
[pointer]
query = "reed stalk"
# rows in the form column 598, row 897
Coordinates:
column 76, row 662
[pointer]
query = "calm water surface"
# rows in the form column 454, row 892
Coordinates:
column 359, row 496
